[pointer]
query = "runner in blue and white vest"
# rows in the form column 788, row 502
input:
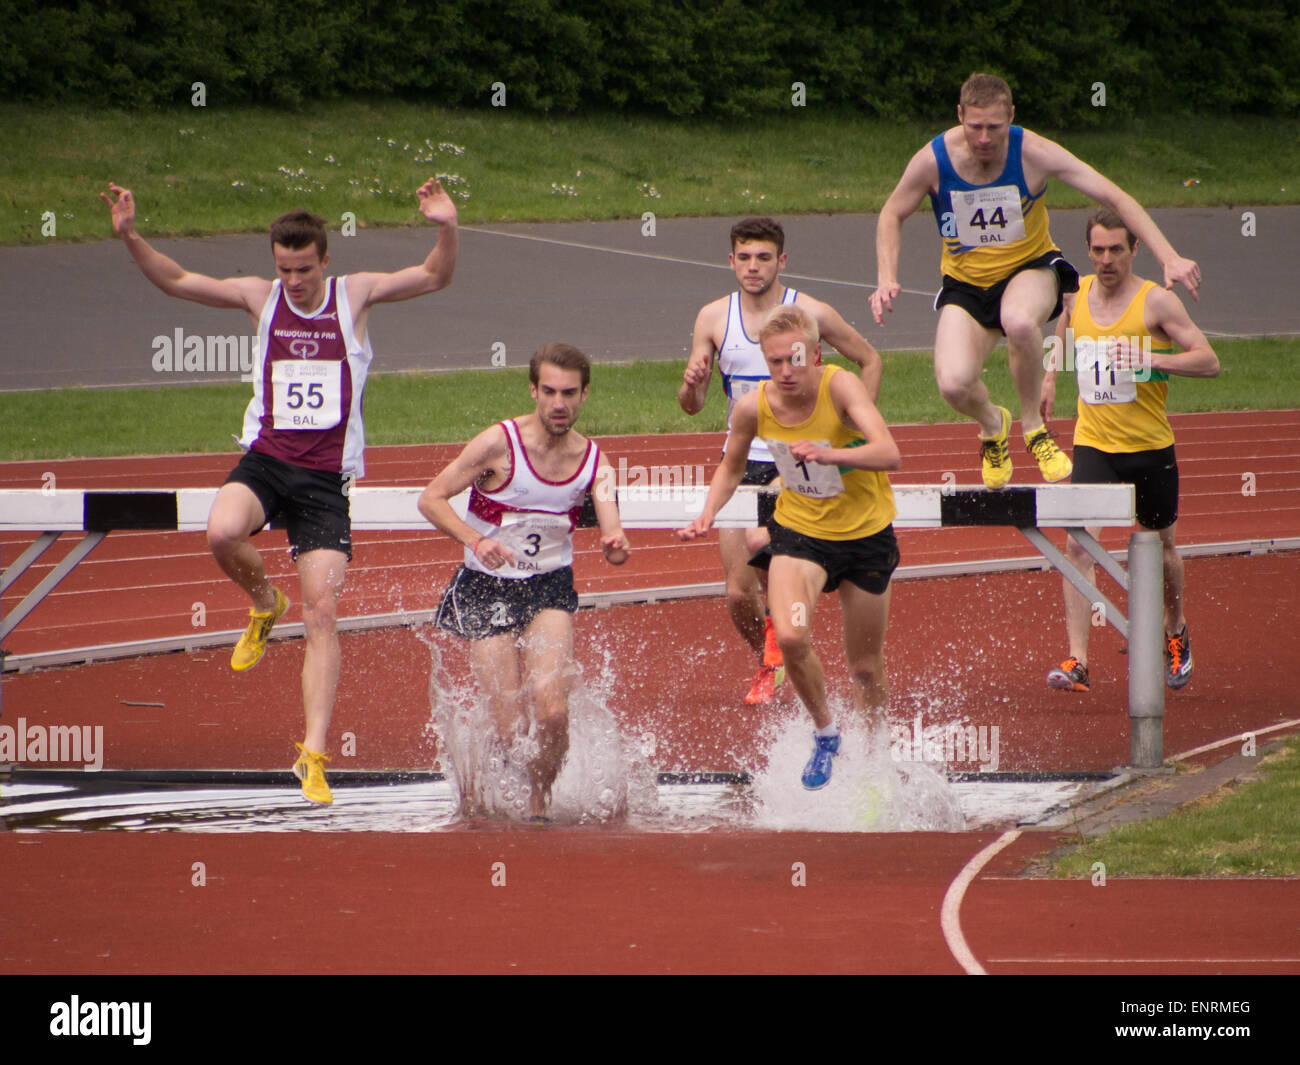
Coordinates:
column 726, row 332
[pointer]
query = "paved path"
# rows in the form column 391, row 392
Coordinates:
column 80, row 314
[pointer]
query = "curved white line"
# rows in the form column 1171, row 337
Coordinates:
column 950, row 915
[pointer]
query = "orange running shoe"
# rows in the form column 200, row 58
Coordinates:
column 765, row 685
column 1072, row 676
column 1178, row 660
column 771, row 652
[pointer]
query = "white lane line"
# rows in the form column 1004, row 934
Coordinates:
column 1238, row 738
column 928, row 294
column 950, row 915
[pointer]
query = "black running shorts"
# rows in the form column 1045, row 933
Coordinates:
column 311, row 504
column 868, row 562
column 1153, row 475
column 985, row 304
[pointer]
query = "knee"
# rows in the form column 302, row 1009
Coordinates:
column 1076, row 554
column 953, row 387
column 867, row 671
column 1021, row 329
column 741, row 595
column 223, row 536
column 550, row 710
column 795, row 644
column 320, row 613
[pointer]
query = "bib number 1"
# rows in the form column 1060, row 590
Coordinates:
column 810, row 479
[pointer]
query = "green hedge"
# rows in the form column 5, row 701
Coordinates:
column 727, row 59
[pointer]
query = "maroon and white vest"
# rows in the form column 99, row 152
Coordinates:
column 311, row 372
column 530, row 516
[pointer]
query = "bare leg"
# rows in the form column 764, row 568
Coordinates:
column 235, row 516
column 744, row 592
column 548, row 669
column 497, row 674
column 321, row 574
column 961, row 347
column 1174, row 580
column 1026, row 302
column 865, row 618
column 1078, row 611
column 794, row 585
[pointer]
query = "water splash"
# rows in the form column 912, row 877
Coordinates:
column 870, row 791
column 604, row 774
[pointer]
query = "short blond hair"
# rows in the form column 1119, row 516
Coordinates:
column 985, row 90
column 790, row 318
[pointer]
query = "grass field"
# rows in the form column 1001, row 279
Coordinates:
column 636, row 398
column 208, row 170
column 1251, row 830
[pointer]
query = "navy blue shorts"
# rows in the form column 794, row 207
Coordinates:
column 762, row 473
column 477, row 605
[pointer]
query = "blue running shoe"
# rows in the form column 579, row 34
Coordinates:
column 817, row 773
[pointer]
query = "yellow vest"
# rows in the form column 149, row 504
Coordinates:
column 1117, row 414
column 826, row 502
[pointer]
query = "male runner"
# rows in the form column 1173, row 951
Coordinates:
column 1003, row 275
column 302, row 432
column 833, row 524
column 723, row 331
column 1123, row 331
column 513, row 597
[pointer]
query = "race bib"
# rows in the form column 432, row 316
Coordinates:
column 1099, row 380
column 988, row 217
column 306, row 395
column 810, row 479
column 536, row 540
column 743, row 386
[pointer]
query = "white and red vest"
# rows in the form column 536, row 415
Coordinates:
column 530, row 516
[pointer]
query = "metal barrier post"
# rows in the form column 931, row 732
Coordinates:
column 1146, row 679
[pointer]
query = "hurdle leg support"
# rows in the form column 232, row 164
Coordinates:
column 1146, row 679
column 1071, row 573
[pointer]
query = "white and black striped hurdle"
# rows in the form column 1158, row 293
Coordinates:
column 1029, row 509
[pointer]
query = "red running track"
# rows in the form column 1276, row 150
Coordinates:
column 1240, row 478
column 614, row 901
